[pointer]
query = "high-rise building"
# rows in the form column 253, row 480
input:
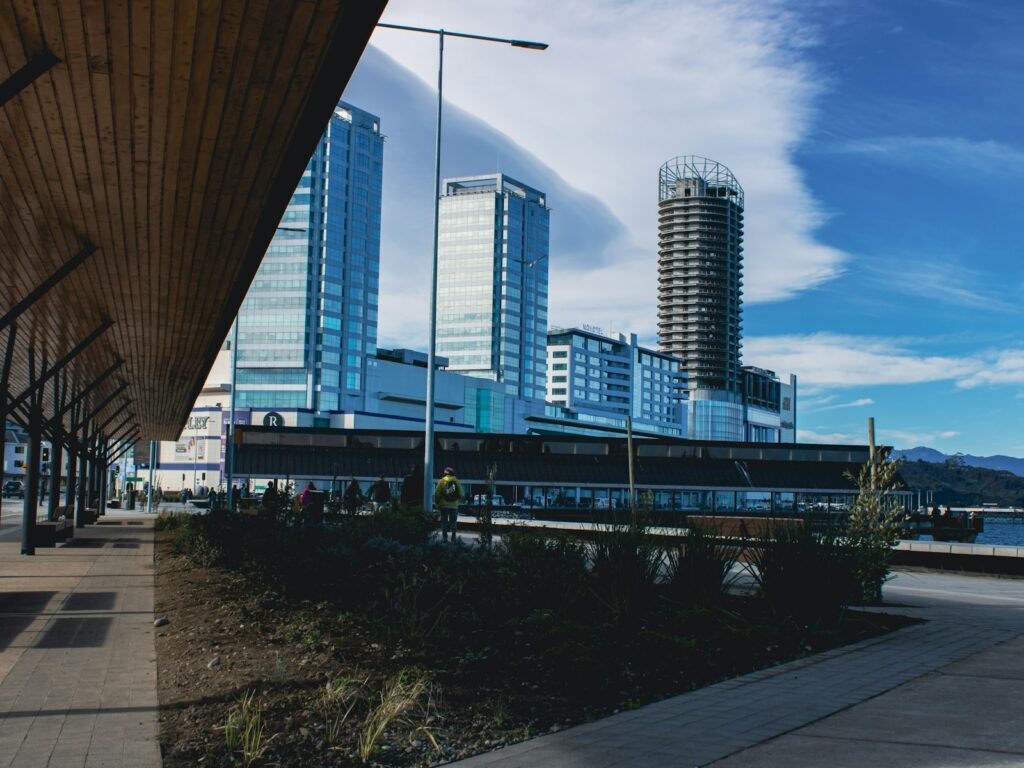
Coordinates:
column 700, row 288
column 700, row 269
column 493, row 281
column 595, row 381
column 311, row 313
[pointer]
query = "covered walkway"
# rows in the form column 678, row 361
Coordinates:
column 77, row 658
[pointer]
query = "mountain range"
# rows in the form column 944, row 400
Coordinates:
column 932, row 456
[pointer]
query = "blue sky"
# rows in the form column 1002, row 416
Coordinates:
column 879, row 144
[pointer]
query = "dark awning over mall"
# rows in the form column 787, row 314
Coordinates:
column 570, row 460
column 147, row 152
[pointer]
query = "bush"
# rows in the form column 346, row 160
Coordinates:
column 170, row 521
column 541, row 570
column 699, row 569
column 625, row 561
column 802, row 574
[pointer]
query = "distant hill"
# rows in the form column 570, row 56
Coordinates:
column 921, row 453
column 960, row 485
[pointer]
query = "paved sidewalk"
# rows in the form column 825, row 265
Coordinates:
column 77, row 658
column 943, row 693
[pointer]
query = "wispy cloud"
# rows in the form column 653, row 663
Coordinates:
column 940, row 154
column 942, row 279
column 859, row 403
column 1006, row 368
column 837, row 360
column 838, row 438
column 909, row 438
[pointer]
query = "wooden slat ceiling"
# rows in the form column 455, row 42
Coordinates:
column 170, row 135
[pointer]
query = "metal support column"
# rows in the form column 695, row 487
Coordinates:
column 83, row 478
column 31, row 498
column 56, row 467
column 102, row 470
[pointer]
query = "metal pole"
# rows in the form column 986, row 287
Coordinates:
column 632, row 485
column 149, row 497
column 871, row 448
column 428, row 433
column 231, row 422
column 31, row 500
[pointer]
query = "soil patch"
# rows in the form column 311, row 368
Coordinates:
column 228, row 636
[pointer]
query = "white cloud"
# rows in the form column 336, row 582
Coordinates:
column 902, row 438
column 725, row 80
column 832, row 438
column 1006, row 368
column 941, row 279
column 837, row 360
column 940, row 154
column 858, row 403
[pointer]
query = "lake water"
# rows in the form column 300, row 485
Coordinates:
column 1000, row 530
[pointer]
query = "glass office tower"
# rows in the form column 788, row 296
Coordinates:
column 493, row 281
column 311, row 313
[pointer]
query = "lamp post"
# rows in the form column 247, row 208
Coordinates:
column 428, row 432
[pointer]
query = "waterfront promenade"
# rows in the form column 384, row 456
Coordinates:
column 77, row 656
column 943, row 693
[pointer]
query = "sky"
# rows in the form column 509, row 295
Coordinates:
column 880, row 148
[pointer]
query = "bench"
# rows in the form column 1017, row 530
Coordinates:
column 48, row 532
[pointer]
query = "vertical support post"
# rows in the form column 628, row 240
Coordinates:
column 149, row 496
column 632, row 475
column 56, row 464
column 231, row 423
column 83, row 478
column 71, row 490
column 104, row 478
column 428, row 434
column 31, row 500
column 871, row 449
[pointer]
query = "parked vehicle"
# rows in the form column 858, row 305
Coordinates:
column 480, row 499
column 14, row 489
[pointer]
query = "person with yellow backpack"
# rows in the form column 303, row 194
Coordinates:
column 447, row 497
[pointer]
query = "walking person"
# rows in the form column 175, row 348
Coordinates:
column 412, row 487
column 447, row 497
column 353, row 495
column 380, row 494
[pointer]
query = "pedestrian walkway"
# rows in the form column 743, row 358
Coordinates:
column 77, row 657
column 946, row 692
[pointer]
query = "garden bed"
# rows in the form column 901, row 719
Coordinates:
column 319, row 628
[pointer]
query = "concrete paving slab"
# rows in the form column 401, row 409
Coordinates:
column 77, row 657
column 800, row 750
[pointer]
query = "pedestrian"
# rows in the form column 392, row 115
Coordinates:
column 380, row 494
column 447, row 497
column 412, row 487
column 305, row 494
column 270, row 494
column 353, row 495
column 236, row 498
column 184, row 496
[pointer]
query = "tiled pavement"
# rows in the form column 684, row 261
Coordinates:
column 947, row 681
column 77, row 658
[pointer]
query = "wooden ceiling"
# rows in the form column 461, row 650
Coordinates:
column 170, row 135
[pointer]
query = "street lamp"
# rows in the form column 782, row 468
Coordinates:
column 428, row 432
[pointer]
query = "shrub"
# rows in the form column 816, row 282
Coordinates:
column 541, row 570
column 170, row 521
column 699, row 570
column 875, row 524
column 625, row 561
column 802, row 574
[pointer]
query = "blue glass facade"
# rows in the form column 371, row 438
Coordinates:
column 311, row 313
column 493, row 282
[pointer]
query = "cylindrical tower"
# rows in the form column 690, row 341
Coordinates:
column 700, row 270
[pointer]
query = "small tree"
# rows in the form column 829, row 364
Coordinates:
column 875, row 522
